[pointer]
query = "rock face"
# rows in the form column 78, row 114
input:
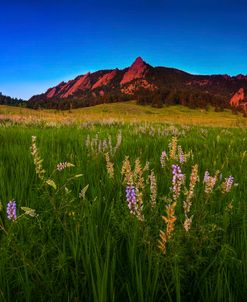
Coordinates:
column 82, row 83
column 237, row 98
column 106, row 79
column 238, row 101
column 51, row 92
column 135, row 71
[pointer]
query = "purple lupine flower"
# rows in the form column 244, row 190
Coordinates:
column 228, row 183
column 181, row 157
column 209, row 182
column 131, row 198
column 206, row 176
column 11, row 210
column 177, row 180
column 163, row 158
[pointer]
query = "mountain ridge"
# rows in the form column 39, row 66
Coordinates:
column 145, row 83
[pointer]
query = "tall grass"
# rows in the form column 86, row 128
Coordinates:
column 89, row 247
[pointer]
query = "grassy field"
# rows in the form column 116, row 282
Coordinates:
column 175, row 236
column 127, row 112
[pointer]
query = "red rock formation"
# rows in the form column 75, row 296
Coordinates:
column 62, row 87
column 51, row 92
column 106, row 79
column 135, row 71
column 237, row 98
column 82, row 83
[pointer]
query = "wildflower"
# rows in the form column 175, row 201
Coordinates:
column 139, row 182
column 163, row 158
column 206, row 177
column 153, row 188
column 187, row 223
column 227, row 185
column 146, row 167
column 11, row 210
column 134, row 179
column 131, row 199
column 187, row 203
column 181, row 155
column 37, row 159
column 64, row 165
column 109, row 166
column 119, row 141
column 169, row 219
column 127, row 172
column 138, row 174
column 173, row 148
column 193, row 179
column 210, row 181
column 177, row 181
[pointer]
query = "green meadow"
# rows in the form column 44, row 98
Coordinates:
column 78, row 237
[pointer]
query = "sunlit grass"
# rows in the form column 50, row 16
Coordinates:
column 129, row 112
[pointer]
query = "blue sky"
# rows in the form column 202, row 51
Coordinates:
column 45, row 42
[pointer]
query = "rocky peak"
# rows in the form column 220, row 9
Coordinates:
column 138, row 61
column 136, row 71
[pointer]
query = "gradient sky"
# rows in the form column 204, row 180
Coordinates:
column 44, row 42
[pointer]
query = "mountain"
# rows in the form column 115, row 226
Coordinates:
column 146, row 84
column 7, row 100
